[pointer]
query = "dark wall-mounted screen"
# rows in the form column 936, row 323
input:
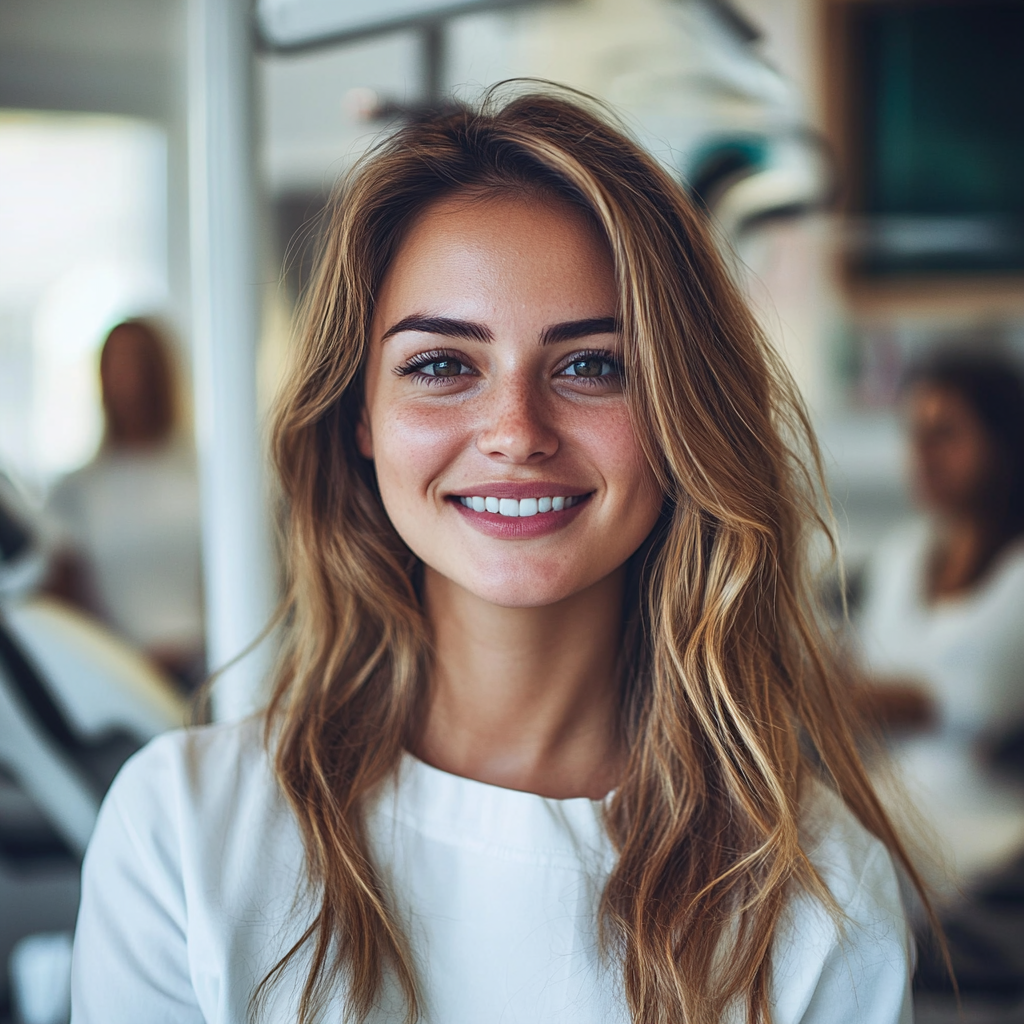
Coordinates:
column 937, row 105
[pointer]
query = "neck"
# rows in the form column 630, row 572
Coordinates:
column 965, row 542
column 526, row 698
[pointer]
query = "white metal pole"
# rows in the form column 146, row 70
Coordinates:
column 237, row 552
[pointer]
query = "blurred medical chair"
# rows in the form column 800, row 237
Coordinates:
column 75, row 702
column 748, row 179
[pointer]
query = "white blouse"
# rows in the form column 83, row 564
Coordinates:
column 193, row 888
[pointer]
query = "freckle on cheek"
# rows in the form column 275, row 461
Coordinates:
column 415, row 446
column 418, row 431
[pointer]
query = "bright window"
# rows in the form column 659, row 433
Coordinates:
column 83, row 225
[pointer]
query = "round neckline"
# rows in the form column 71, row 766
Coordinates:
column 494, row 820
column 407, row 755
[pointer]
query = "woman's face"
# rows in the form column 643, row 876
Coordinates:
column 495, row 414
column 952, row 456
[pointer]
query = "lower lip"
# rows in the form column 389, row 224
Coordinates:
column 519, row 527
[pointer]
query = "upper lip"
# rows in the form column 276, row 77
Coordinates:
column 507, row 489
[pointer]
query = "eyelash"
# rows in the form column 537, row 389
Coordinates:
column 418, row 362
column 413, row 367
column 594, row 353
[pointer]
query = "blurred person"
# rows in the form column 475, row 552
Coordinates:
column 942, row 622
column 130, row 519
column 555, row 736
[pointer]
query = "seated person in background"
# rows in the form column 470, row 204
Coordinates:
column 130, row 518
column 941, row 624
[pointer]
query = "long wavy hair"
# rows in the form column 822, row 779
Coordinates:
column 730, row 695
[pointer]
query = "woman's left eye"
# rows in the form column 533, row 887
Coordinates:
column 591, row 367
column 443, row 368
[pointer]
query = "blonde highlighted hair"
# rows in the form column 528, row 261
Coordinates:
column 731, row 696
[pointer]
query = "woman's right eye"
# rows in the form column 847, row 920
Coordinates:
column 431, row 367
column 443, row 368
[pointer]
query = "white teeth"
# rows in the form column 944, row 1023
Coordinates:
column 522, row 508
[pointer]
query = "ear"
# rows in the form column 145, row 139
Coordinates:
column 364, row 438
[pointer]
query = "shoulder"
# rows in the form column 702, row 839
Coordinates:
column 893, row 573
column 186, row 758
column 193, row 783
column 850, row 860
column 66, row 494
column 195, row 823
column 84, row 477
column 902, row 546
column 189, row 883
column 1007, row 574
column 71, row 500
column 852, row 966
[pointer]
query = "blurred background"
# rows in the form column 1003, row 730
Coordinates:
column 162, row 166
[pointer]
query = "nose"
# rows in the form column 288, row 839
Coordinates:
column 516, row 427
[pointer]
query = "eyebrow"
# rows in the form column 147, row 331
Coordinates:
column 573, row 329
column 449, row 327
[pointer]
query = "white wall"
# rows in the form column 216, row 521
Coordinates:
column 108, row 56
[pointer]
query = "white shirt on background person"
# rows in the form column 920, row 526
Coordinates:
column 194, row 886
column 967, row 652
column 134, row 516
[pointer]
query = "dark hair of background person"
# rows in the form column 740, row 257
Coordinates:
column 992, row 386
column 138, row 386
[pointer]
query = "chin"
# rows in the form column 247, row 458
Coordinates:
column 526, row 598
column 520, row 585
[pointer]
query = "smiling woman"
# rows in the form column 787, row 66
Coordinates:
column 555, row 737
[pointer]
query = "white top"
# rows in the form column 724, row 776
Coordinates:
column 134, row 516
column 193, row 888
column 967, row 651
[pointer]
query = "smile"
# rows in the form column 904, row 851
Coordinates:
column 521, row 508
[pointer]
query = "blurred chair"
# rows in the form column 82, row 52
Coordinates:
column 75, row 702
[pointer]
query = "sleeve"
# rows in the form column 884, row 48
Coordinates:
column 865, row 976
column 130, row 960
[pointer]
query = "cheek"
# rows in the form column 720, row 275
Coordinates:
column 964, row 461
column 611, row 445
column 411, row 446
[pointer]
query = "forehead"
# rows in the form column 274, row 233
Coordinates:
column 464, row 252
column 126, row 340
column 932, row 401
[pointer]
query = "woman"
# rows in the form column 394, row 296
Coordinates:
column 941, row 618
column 540, row 745
column 130, row 518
